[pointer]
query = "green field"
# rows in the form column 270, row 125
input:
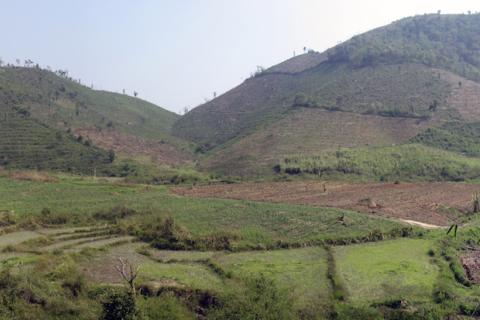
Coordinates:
column 249, row 224
column 376, row 272
column 303, row 272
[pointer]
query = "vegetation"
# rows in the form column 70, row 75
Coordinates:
column 453, row 136
column 443, row 41
column 405, row 162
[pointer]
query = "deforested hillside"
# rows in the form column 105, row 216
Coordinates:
column 419, row 72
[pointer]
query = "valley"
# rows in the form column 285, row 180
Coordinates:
column 335, row 185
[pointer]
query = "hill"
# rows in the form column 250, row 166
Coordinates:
column 49, row 119
column 379, row 88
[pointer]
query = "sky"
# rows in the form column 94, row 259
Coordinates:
column 177, row 53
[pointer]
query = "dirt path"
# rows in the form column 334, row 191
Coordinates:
column 427, row 203
column 423, row 225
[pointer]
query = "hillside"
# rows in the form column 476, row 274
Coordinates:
column 49, row 104
column 379, row 88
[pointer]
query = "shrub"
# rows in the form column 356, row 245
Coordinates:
column 114, row 214
column 119, row 306
column 261, row 300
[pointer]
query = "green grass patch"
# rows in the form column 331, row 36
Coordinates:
column 302, row 271
column 405, row 162
column 394, row 269
column 192, row 275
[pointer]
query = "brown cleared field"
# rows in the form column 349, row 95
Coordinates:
column 430, row 203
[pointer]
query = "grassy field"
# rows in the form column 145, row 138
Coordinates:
column 251, row 223
column 376, row 272
column 404, row 162
column 303, row 272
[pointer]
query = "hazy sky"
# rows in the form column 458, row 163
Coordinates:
column 177, row 53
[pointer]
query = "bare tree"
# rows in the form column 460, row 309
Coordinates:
column 128, row 273
column 185, row 110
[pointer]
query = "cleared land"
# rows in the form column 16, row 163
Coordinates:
column 424, row 202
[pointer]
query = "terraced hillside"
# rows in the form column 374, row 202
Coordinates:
column 129, row 126
column 408, row 73
column 27, row 143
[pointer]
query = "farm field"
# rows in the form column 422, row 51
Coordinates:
column 387, row 270
column 310, row 253
column 247, row 223
column 437, row 203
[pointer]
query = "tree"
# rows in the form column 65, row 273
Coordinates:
column 128, row 273
column 185, row 110
column 111, row 155
column 135, row 94
column 17, row 61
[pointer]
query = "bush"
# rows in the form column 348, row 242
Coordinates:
column 262, row 300
column 165, row 307
column 114, row 214
column 119, row 306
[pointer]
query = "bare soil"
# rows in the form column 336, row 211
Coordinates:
column 430, row 203
column 471, row 264
column 158, row 151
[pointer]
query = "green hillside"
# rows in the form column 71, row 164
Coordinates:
column 27, row 143
column 50, row 121
column 59, row 101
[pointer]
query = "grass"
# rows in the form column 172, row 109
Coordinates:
column 399, row 269
column 404, row 162
column 192, row 275
column 301, row 271
column 253, row 223
column 453, row 136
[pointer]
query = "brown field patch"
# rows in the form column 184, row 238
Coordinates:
column 471, row 264
column 423, row 202
column 159, row 152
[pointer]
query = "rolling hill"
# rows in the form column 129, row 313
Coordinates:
column 380, row 88
column 50, row 121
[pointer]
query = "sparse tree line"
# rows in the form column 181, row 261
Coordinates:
column 28, row 63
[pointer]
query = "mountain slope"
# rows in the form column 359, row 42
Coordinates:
column 420, row 72
column 53, row 102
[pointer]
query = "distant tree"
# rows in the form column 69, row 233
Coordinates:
column 17, row 61
column 214, row 94
column 135, row 94
column 185, row 110
column 28, row 63
column 304, row 49
column 123, row 91
column 111, row 155
column 439, row 12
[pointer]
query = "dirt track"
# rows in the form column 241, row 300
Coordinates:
column 423, row 202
